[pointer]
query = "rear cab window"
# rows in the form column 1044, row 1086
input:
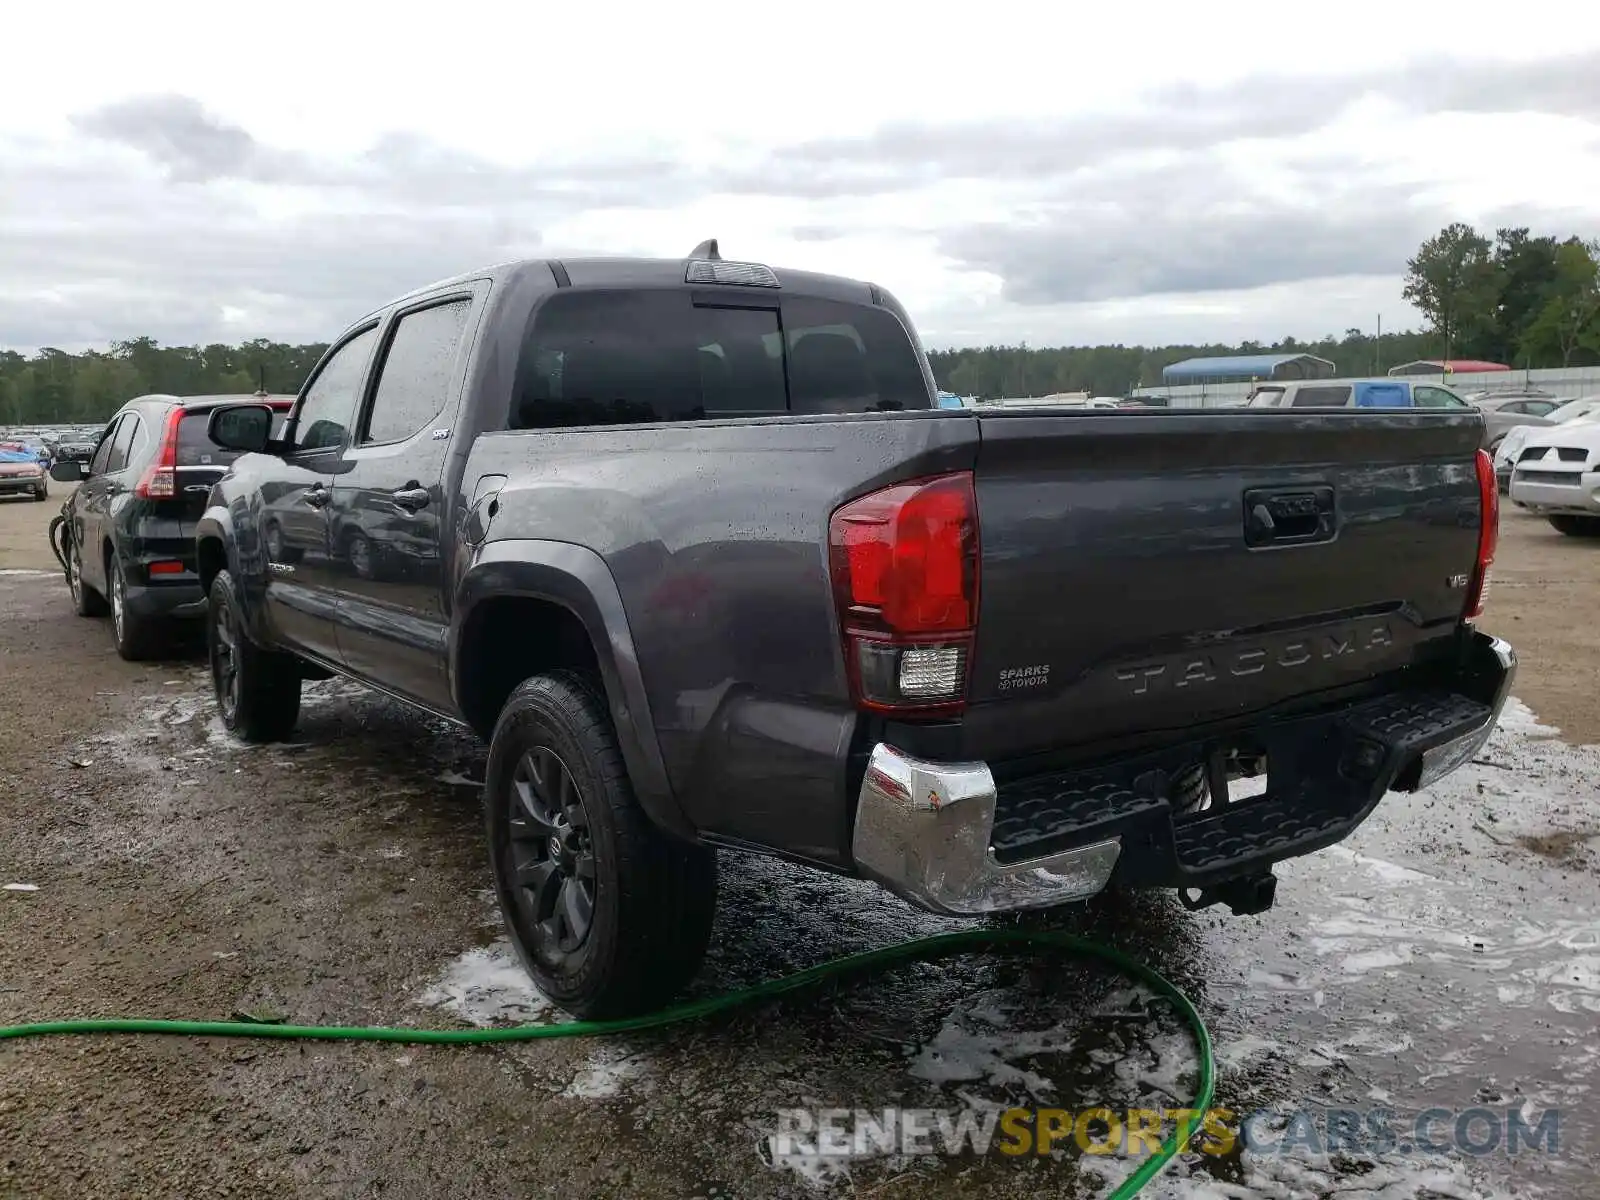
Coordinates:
column 635, row 356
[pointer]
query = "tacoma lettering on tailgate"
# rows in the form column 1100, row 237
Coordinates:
column 1191, row 669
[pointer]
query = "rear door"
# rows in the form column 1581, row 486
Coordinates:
column 387, row 520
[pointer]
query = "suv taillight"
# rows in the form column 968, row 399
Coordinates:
column 1488, row 535
column 160, row 481
column 904, row 562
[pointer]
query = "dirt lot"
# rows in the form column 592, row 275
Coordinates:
column 1448, row 954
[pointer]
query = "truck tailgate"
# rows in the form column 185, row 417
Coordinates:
column 1146, row 572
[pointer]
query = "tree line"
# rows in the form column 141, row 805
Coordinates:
column 54, row 386
column 1525, row 301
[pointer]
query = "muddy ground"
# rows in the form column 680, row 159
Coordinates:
column 1447, row 955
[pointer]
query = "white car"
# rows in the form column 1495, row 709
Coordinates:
column 1556, row 473
column 1585, row 408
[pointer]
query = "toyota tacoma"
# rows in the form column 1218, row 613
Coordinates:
column 692, row 545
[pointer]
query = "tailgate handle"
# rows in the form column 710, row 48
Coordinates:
column 1288, row 516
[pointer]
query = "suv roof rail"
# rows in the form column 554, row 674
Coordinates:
column 707, row 250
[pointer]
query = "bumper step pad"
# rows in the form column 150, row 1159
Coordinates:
column 1325, row 773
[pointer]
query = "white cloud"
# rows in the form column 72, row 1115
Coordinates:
column 1014, row 171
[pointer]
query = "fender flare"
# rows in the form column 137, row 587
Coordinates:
column 217, row 522
column 578, row 579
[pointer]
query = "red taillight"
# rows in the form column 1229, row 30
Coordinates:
column 166, row 567
column 160, row 480
column 1488, row 535
column 905, row 578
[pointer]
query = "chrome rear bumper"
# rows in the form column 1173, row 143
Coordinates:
column 927, row 830
column 922, row 830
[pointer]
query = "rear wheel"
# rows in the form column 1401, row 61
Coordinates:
column 1574, row 525
column 609, row 915
column 138, row 637
column 86, row 602
column 257, row 690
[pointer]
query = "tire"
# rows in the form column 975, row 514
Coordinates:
column 1574, row 525
column 591, row 852
column 138, row 637
column 42, row 492
column 257, row 690
column 86, row 602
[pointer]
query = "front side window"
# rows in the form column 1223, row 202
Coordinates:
column 414, row 381
column 122, row 443
column 329, row 405
column 102, row 452
column 1437, row 397
column 623, row 357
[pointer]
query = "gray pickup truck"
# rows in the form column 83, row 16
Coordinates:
column 689, row 542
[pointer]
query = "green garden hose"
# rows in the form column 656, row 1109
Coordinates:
column 937, row 946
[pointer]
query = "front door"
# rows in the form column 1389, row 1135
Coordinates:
column 302, row 603
column 90, row 504
column 388, row 515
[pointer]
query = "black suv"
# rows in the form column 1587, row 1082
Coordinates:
column 130, row 527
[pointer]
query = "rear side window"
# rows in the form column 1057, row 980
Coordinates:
column 1321, row 397
column 623, row 357
column 414, row 381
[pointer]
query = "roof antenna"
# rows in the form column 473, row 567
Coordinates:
column 707, row 250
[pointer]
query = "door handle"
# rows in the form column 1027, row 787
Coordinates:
column 316, row 497
column 410, row 499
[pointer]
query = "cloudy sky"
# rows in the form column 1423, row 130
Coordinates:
column 1060, row 174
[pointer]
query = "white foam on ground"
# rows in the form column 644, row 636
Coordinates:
column 487, row 986
column 28, row 571
column 20, row 887
column 606, row 1075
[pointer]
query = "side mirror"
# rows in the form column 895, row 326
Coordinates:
column 243, row 427
column 68, row 470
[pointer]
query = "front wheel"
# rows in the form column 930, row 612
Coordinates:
column 610, row 916
column 257, row 690
column 86, row 602
column 42, row 492
column 1575, row 525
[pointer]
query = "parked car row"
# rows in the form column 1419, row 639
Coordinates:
column 1555, row 470
column 1502, row 411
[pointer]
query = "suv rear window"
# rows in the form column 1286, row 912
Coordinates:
column 195, row 449
column 1321, row 397
column 624, row 357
